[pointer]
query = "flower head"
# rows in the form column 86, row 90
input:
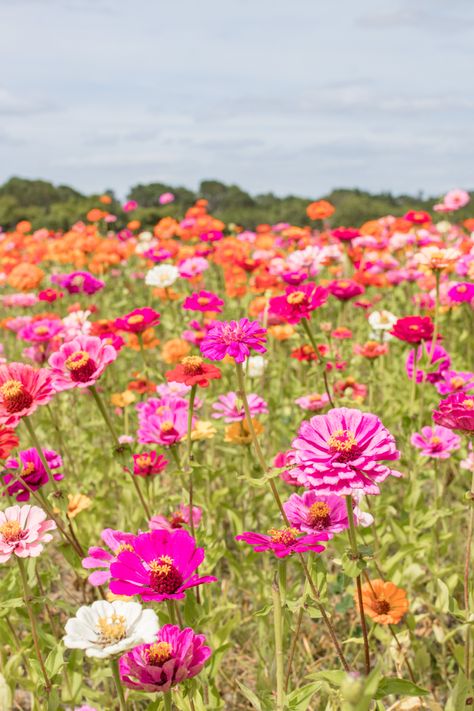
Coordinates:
column 22, row 390
column 456, row 412
column 101, row 558
column 436, row 442
column 312, row 513
column 345, row 289
column 342, row 452
column 138, row 320
column 228, row 407
column 162, row 276
column 233, row 338
column 78, row 282
column 383, row 602
column 105, row 629
column 80, row 362
column 28, row 472
column 174, row 655
column 284, row 541
column 148, row 464
column 161, row 566
column 193, row 371
column 203, row 301
column 413, row 329
column 298, row 302
column 23, row 531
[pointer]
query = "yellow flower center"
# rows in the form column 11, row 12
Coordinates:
column 111, row 629
column 137, row 318
column 11, row 531
column 166, row 426
column 159, row 653
column 297, row 297
column 203, row 300
column 342, row 441
column 286, row 536
column 41, row 330
column 192, row 364
column 28, row 469
column 318, row 515
column 124, row 547
column 456, row 382
column 435, row 440
column 77, row 360
column 15, row 396
column 143, row 460
column 469, row 404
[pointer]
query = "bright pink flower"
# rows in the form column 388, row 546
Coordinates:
column 413, row 329
column 342, row 452
column 284, row 541
column 439, row 361
column 313, row 512
column 138, row 320
column 298, row 302
column 203, row 301
column 233, row 338
column 22, row 390
column 176, row 519
column 456, row 412
column 80, row 362
column 461, row 292
column 454, row 381
column 227, row 407
column 165, row 424
column 23, row 530
column 345, row 289
column 41, row 331
column 130, row 206
column 345, row 234
column 29, row 467
column 166, row 198
column 101, row 558
column 78, row 282
column 160, row 567
column 437, row 442
column 211, row 236
column 313, row 402
column 23, row 300
column 176, row 655
column 281, row 460
column 148, row 464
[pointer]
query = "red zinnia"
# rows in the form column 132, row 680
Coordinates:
column 8, row 441
column 413, row 329
column 193, row 371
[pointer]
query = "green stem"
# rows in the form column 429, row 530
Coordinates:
column 278, row 629
column 140, row 495
column 105, row 414
column 37, row 446
column 118, row 685
column 467, row 564
column 167, row 702
column 436, row 322
column 309, row 333
column 355, row 554
column 189, row 444
column 293, row 644
column 27, row 597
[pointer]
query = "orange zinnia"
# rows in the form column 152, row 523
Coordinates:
column 383, row 601
column 320, row 210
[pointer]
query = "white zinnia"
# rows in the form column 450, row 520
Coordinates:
column 382, row 321
column 255, row 366
column 105, row 629
column 77, row 324
column 162, row 276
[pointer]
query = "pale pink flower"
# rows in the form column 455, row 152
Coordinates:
column 23, row 530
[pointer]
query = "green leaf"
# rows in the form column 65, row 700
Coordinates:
column 399, row 687
column 299, row 699
column 250, row 696
column 54, row 662
column 460, row 693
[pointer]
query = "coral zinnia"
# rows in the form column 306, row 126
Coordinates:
column 383, row 601
column 233, row 338
column 175, row 655
column 160, row 567
column 193, row 371
column 342, row 452
column 22, row 390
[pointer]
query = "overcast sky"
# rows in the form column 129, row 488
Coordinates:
column 290, row 96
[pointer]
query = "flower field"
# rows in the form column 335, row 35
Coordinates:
column 236, row 465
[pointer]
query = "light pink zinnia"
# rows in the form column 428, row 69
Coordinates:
column 235, row 339
column 342, row 452
column 313, row 402
column 22, row 390
column 227, row 407
column 23, row 530
column 80, row 362
column 177, row 519
column 437, row 442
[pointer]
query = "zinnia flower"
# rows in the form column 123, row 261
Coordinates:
column 227, row 407
column 174, row 655
column 148, row 464
column 313, row 512
column 176, row 519
column 162, row 276
column 23, row 531
column 437, row 361
column 313, row 402
column 138, row 320
column 80, row 362
column 342, row 452
column 233, row 338
column 461, row 292
column 413, row 329
column 30, row 470
column 101, row 558
column 160, row 567
column 453, row 381
column 78, row 283
column 22, row 390
column 193, row 371
column 105, row 629
column 284, row 541
column 298, row 302
column 383, row 602
column 437, row 442
column 345, row 289
column 41, row 331
column 8, row 441
column 203, row 301
column 456, row 412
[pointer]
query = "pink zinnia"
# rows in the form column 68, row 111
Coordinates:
column 161, row 566
column 437, row 442
column 461, row 292
column 233, row 338
column 80, row 362
column 438, row 360
column 176, row 655
column 342, row 452
column 22, row 390
column 177, row 519
column 284, row 541
column 192, row 267
column 28, row 468
column 148, row 464
column 101, row 558
column 23, row 530
column 298, row 302
column 164, row 424
column 456, row 412
column 313, row 512
column 138, row 320
column 166, row 198
column 454, row 381
column 227, row 407
column 78, row 282
column 41, row 331
column 203, row 301
column 313, row 402
column 345, row 289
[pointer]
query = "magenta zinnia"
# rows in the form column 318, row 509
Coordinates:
column 233, row 338
column 284, row 541
column 160, row 567
column 80, row 362
column 176, row 655
column 456, row 412
column 343, row 452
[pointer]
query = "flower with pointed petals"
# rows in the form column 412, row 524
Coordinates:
column 28, row 469
column 284, row 541
column 22, row 390
column 456, row 412
column 233, row 338
column 298, row 302
column 138, row 320
column 161, row 566
column 101, row 558
column 437, row 442
column 203, row 301
column 193, row 371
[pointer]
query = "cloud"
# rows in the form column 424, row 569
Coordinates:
column 421, row 18
column 14, row 105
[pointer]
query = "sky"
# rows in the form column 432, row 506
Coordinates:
column 283, row 96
